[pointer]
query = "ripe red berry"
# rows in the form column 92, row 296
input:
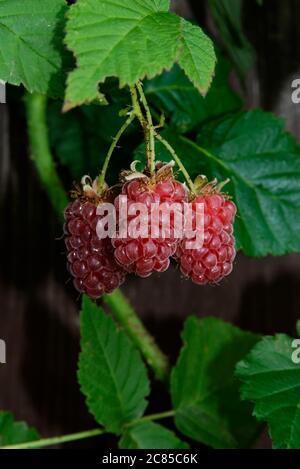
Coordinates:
column 143, row 255
column 90, row 259
column 214, row 260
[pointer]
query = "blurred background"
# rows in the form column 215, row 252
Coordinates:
column 39, row 307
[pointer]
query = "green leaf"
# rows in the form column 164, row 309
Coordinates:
column 263, row 164
column 174, row 94
column 272, row 381
column 203, row 386
column 227, row 15
column 298, row 327
column 150, row 435
column 111, row 373
column 12, row 432
column 31, row 33
column 130, row 40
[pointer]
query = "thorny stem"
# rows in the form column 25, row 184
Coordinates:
column 151, row 133
column 119, row 134
column 36, row 106
column 136, row 107
column 139, row 335
column 150, row 129
column 146, row 128
column 178, row 161
column 56, row 440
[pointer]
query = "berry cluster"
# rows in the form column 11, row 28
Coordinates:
column 99, row 266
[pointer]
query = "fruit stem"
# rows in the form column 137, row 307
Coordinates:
column 178, row 161
column 135, row 329
column 101, row 180
column 150, row 129
column 137, row 108
column 36, row 106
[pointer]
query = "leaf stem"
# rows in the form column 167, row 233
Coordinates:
column 177, row 160
column 36, row 106
column 139, row 335
column 152, row 417
column 119, row 134
column 150, row 129
column 56, row 440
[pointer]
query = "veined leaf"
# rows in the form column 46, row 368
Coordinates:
column 130, row 40
column 150, row 435
column 32, row 51
column 271, row 380
column 111, row 372
column 204, row 390
column 174, row 94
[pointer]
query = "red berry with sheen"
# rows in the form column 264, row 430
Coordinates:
column 90, row 259
column 214, row 260
column 143, row 255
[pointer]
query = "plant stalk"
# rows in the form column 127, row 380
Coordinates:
column 36, row 106
column 56, row 440
column 150, row 129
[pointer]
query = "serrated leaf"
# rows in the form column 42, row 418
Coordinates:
column 272, row 381
column 130, row 40
column 204, row 389
column 150, row 435
column 263, row 164
column 111, row 373
column 32, row 51
column 227, row 15
column 196, row 54
column 12, row 432
column 174, row 94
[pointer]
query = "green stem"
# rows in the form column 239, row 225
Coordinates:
column 137, row 108
column 36, row 106
column 152, row 417
column 139, row 335
column 178, row 161
column 150, row 127
column 56, row 440
column 119, row 134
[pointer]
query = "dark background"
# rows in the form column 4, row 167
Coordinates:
column 38, row 306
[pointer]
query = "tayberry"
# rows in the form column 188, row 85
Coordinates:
column 145, row 254
column 90, row 259
column 214, row 260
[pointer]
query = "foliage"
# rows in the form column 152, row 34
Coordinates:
column 117, row 44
